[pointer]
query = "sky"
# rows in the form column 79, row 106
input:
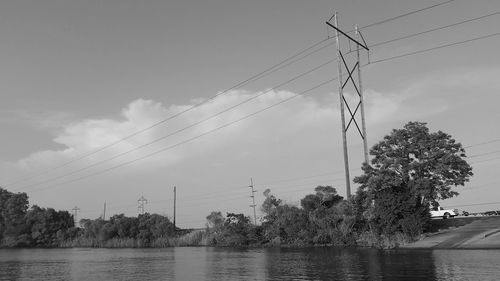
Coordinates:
column 108, row 101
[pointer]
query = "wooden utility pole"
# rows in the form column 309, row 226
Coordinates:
column 175, row 199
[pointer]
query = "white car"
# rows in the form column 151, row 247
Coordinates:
column 442, row 212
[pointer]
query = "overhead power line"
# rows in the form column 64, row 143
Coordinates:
column 482, row 143
column 376, row 44
column 218, row 128
column 483, row 154
column 287, row 61
column 485, row 160
column 436, row 48
column 182, row 129
column 433, row 30
column 193, row 138
column 404, row 15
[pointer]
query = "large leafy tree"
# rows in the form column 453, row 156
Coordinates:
column 413, row 167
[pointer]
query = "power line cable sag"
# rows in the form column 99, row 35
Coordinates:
column 378, row 61
column 436, row 48
column 287, row 61
column 197, row 123
column 404, row 15
column 482, row 143
column 484, row 154
column 193, row 138
column 400, row 56
column 182, row 129
column 433, row 29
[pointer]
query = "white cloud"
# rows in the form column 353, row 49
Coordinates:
column 304, row 116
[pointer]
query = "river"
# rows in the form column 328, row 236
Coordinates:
column 200, row 263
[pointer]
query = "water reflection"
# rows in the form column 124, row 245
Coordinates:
column 467, row 264
column 235, row 264
column 349, row 264
column 247, row 264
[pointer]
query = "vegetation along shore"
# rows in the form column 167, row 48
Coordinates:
column 410, row 170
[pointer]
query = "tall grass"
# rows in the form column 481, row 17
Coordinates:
column 194, row 238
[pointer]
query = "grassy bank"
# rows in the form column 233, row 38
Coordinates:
column 194, row 238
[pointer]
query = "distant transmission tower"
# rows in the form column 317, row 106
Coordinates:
column 253, row 201
column 75, row 214
column 142, row 202
column 343, row 65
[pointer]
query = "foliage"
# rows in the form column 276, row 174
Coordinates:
column 141, row 230
column 325, row 196
column 34, row 227
column 411, row 169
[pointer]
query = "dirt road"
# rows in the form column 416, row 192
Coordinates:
column 482, row 233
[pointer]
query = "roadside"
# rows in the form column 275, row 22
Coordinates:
column 462, row 233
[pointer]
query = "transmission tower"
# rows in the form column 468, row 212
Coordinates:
column 253, row 201
column 142, row 202
column 75, row 214
column 343, row 65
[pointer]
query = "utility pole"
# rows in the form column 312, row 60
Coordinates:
column 253, row 201
column 175, row 198
column 104, row 212
column 142, row 201
column 75, row 214
column 342, row 84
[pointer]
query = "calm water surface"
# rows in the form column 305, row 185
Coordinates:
column 248, row 264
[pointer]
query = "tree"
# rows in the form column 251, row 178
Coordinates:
column 269, row 206
column 215, row 220
column 236, row 230
column 325, row 196
column 13, row 208
column 412, row 168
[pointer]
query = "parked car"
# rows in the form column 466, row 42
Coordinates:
column 465, row 213
column 442, row 212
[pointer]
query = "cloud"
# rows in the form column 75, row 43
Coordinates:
column 79, row 137
column 307, row 123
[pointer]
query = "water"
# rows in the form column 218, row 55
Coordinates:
column 248, row 264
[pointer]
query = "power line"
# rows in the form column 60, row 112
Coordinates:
column 482, row 143
column 483, row 154
column 432, row 30
column 287, row 61
column 485, row 160
column 193, row 138
column 436, row 48
column 483, row 37
column 182, row 129
column 228, row 124
column 404, row 15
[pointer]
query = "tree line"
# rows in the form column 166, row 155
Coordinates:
column 410, row 170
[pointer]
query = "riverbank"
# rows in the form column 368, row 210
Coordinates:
column 462, row 233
